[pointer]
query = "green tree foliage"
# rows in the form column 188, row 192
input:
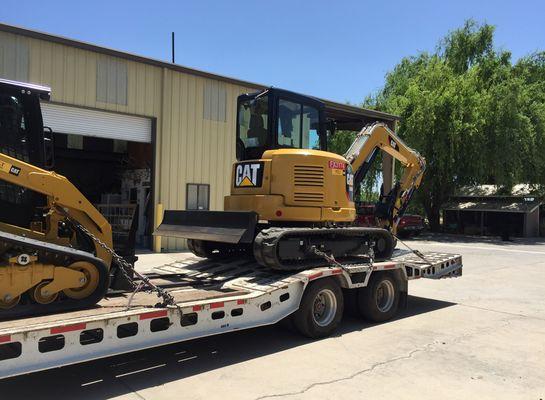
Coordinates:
column 474, row 115
column 339, row 144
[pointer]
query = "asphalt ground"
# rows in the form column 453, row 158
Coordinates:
column 480, row 336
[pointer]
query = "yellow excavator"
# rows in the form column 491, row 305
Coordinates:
column 53, row 241
column 292, row 201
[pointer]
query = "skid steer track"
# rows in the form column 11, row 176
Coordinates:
column 59, row 256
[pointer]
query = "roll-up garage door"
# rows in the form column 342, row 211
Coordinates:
column 102, row 124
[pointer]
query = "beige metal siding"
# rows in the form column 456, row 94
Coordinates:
column 111, row 80
column 72, row 75
column 14, row 57
column 195, row 149
column 189, row 147
column 215, row 101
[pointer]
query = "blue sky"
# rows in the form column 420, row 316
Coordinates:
column 338, row 50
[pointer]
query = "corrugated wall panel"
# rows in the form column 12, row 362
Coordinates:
column 72, row 75
column 14, row 57
column 193, row 148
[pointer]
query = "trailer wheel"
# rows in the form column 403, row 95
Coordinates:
column 379, row 301
column 321, row 309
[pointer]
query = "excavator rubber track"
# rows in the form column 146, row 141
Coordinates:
column 61, row 256
column 289, row 249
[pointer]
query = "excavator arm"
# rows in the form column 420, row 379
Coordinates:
column 369, row 142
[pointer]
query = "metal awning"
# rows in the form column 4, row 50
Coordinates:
column 353, row 118
column 493, row 206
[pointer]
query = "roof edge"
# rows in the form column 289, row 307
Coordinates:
column 176, row 67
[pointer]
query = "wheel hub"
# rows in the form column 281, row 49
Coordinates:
column 88, row 283
column 324, row 307
column 9, row 302
column 41, row 295
column 385, row 296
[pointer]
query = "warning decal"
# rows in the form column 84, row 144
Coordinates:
column 337, row 167
column 5, row 167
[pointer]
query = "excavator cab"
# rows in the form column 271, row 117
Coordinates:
column 278, row 119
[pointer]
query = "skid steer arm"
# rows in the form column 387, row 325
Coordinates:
column 60, row 192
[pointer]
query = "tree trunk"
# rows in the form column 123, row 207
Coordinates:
column 434, row 219
column 433, row 213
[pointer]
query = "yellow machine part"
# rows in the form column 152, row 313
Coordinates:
column 44, row 281
column 302, row 185
column 60, row 192
column 296, row 185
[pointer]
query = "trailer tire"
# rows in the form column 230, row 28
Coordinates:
column 321, row 309
column 379, row 301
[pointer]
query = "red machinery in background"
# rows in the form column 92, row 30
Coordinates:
column 409, row 224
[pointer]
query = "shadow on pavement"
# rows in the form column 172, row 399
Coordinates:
column 124, row 374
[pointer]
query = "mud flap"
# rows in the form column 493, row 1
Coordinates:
column 216, row 226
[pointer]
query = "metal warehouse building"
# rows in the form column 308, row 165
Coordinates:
column 130, row 129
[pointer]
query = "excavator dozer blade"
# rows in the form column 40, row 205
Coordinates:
column 215, row 226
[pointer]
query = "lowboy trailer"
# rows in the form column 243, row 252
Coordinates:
column 214, row 297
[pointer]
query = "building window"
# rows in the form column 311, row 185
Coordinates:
column 120, row 146
column 74, row 142
column 215, row 101
column 111, row 80
column 198, row 196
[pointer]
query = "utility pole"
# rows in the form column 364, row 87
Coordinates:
column 173, row 59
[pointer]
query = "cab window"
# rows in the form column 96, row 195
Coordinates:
column 297, row 125
column 253, row 122
column 13, row 128
column 311, row 122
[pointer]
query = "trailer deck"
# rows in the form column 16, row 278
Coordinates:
column 212, row 297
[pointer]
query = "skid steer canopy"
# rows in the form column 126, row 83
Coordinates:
column 216, row 226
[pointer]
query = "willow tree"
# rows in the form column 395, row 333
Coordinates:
column 474, row 116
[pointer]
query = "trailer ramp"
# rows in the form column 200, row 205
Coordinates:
column 430, row 265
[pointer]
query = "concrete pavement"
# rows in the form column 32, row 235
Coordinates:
column 481, row 336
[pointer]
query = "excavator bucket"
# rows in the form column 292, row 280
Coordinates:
column 216, row 226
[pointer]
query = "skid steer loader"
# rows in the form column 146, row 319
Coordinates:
column 54, row 245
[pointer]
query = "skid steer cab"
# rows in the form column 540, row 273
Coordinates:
column 292, row 201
